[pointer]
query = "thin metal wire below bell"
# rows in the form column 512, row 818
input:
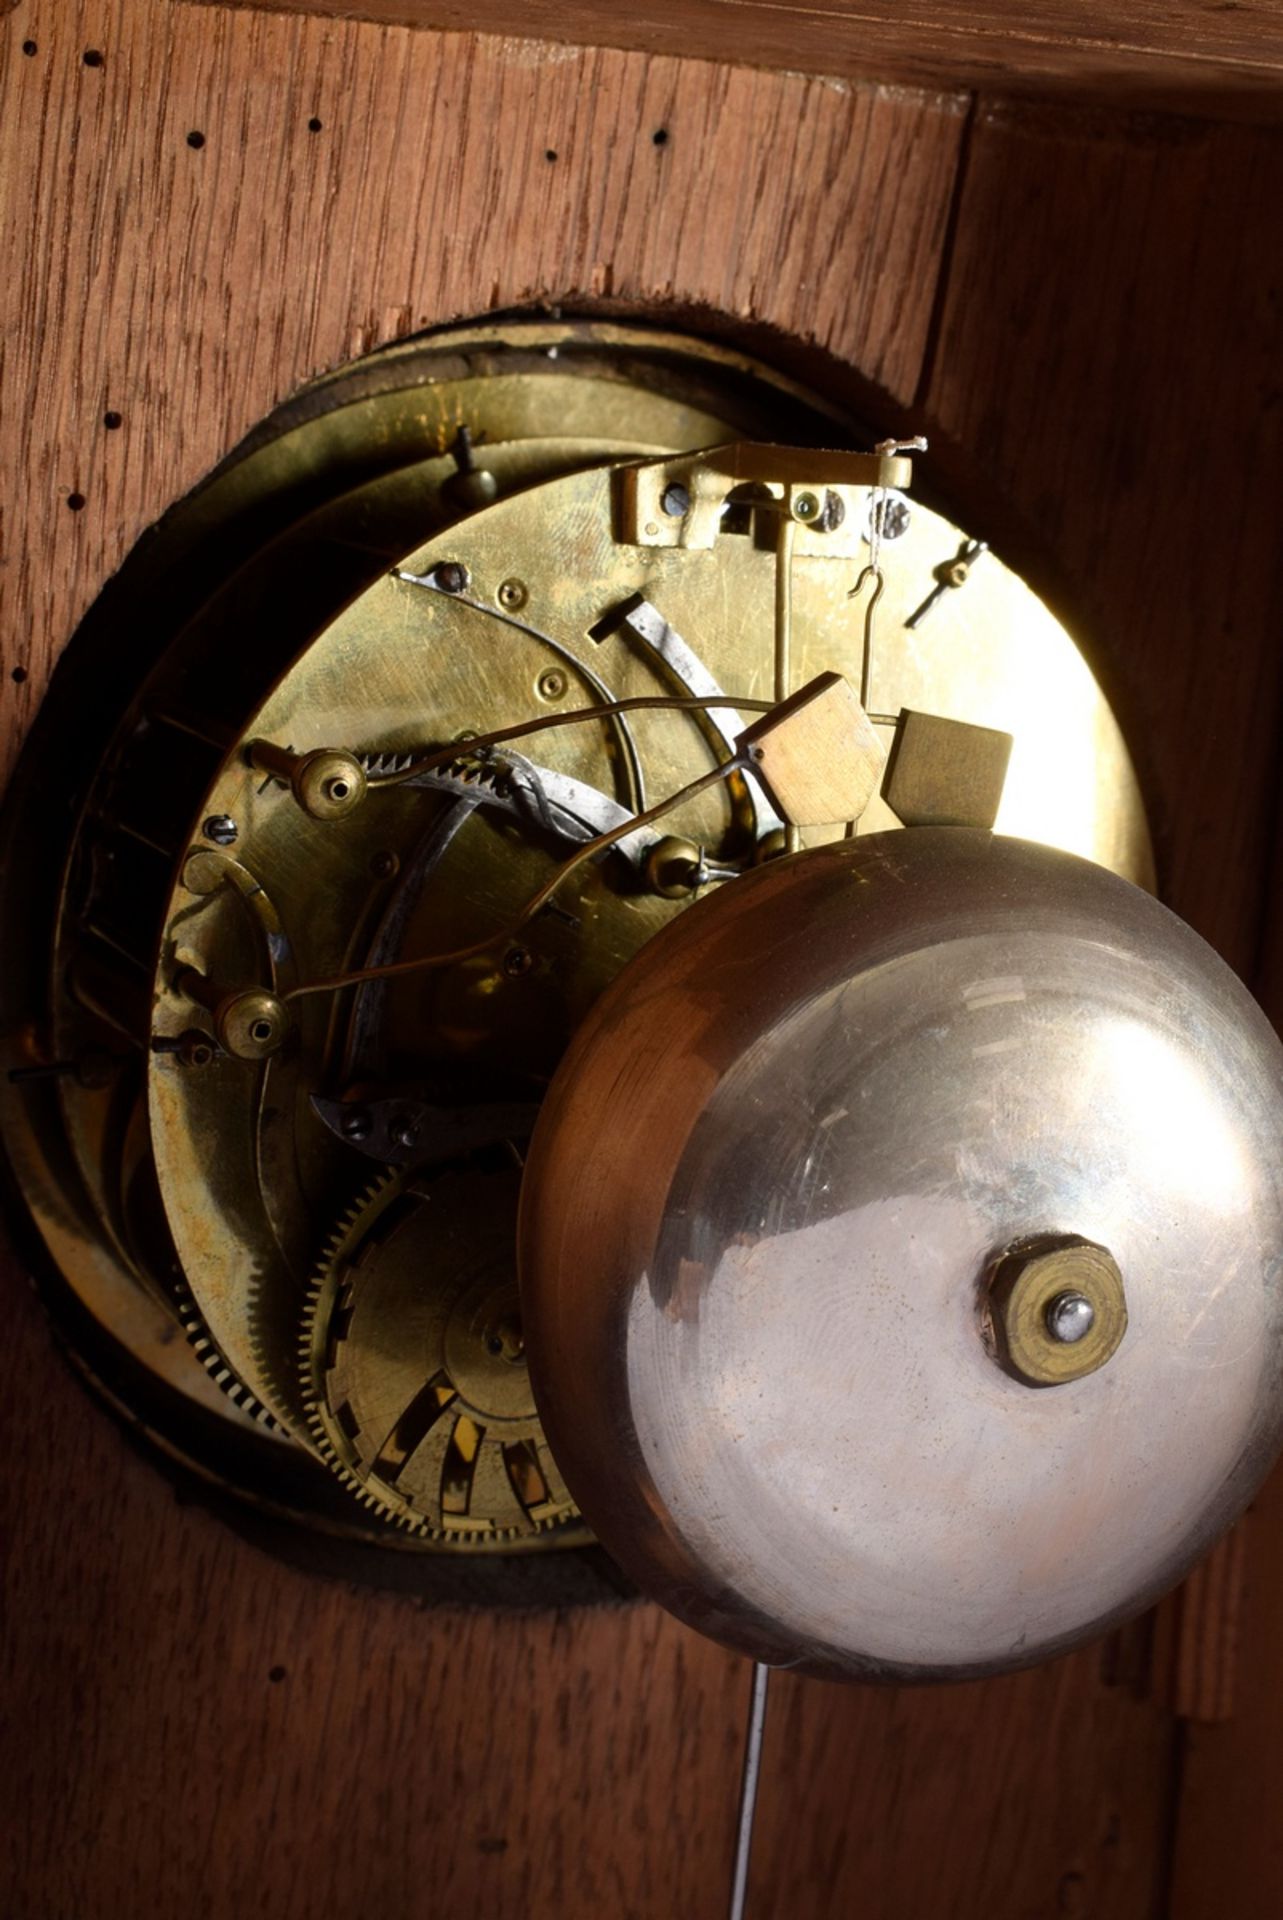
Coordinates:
column 748, row 1789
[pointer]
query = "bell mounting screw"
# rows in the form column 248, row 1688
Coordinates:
column 1057, row 1309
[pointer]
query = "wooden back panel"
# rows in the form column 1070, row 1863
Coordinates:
column 1082, row 310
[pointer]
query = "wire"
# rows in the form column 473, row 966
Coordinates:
column 632, row 759
column 784, row 609
column 585, row 852
column 748, row 1789
column 784, row 637
column 871, row 572
column 443, row 756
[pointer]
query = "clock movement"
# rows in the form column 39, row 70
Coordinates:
column 889, row 1276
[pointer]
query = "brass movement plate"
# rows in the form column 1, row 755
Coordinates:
column 358, row 579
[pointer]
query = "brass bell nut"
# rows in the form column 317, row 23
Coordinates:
column 1056, row 1309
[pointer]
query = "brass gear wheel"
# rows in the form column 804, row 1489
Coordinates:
column 413, row 1369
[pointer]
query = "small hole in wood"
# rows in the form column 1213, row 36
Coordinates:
column 550, row 153
column 75, row 501
column 30, row 48
column 660, row 137
column 276, row 1675
column 314, row 125
column 92, row 57
column 195, row 139
column 111, row 420
column 18, row 675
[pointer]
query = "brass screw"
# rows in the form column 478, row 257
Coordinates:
column 328, row 783
column 512, row 595
column 252, row 1024
column 552, row 684
column 672, row 867
column 516, row 961
column 505, row 1341
column 195, row 1049
column 1057, row 1308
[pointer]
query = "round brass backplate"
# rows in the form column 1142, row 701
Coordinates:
column 346, row 590
column 322, row 499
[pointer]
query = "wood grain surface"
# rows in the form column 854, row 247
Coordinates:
column 195, row 1728
column 1083, row 310
column 1110, row 346
column 1219, row 59
column 1229, row 1844
column 189, row 288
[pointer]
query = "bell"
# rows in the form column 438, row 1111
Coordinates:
column 899, row 1257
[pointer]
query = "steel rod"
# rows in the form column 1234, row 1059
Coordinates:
column 748, row 1789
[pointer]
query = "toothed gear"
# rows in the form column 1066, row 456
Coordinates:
column 378, row 766
column 210, row 1355
column 465, row 772
column 413, row 1371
